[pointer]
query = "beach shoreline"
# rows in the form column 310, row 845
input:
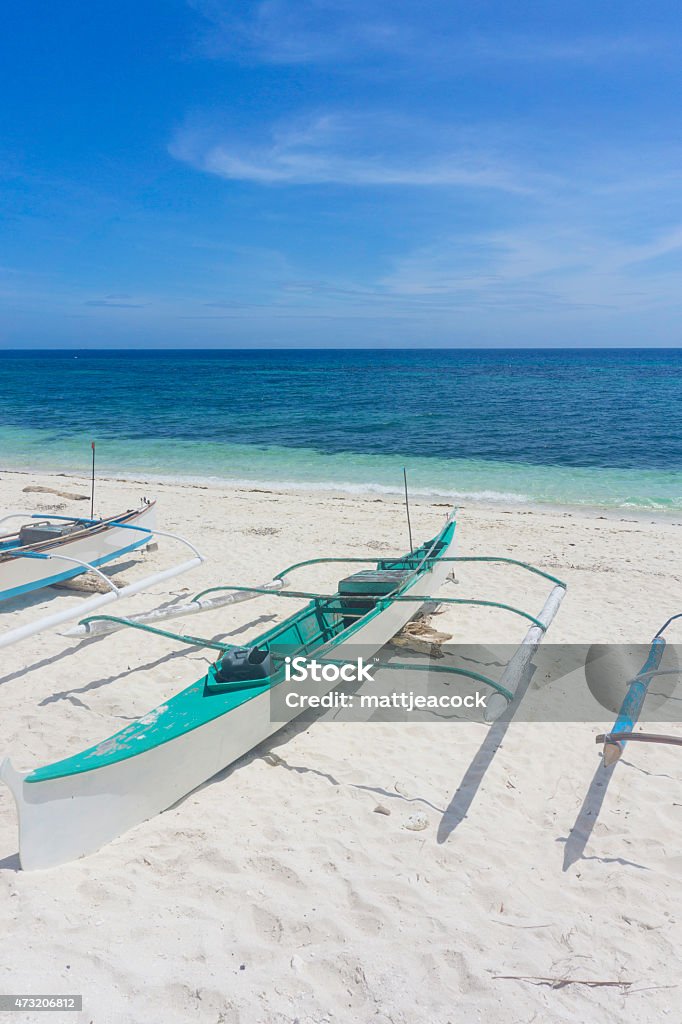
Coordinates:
column 506, row 504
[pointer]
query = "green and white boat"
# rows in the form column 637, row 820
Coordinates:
column 76, row 805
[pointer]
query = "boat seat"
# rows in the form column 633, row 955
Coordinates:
column 373, row 582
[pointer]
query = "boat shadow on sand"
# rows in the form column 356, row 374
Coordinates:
column 581, row 832
column 97, row 684
column 466, row 792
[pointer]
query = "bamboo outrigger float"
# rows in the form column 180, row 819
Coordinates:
column 59, row 548
column 72, row 807
column 622, row 732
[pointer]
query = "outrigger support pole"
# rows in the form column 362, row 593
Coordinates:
column 193, row 641
column 388, row 599
column 642, row 737
column 505, row 690
column 515, row 670
column 405, row 666
column 384, row 562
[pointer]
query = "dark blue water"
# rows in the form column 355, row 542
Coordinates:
column 571, row 408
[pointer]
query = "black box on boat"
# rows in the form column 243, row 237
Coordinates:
column 239, row 668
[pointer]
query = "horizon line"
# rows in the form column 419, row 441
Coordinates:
column 346, row 348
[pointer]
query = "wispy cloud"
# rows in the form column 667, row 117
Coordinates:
column 114, row 302
column 354, row 31
column 564, row 276
column 303, row 32
column 350, row 150
column 542, row 267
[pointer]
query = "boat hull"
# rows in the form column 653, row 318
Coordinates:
column 97, row 547
column 61, row 819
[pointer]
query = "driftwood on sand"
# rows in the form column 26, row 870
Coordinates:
column 421, row 638
column 36, row 489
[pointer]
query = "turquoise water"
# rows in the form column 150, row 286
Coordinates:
column 576, row 428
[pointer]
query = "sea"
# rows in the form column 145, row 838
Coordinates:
column 592, row 428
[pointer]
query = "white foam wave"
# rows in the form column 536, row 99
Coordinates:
column 336, row 486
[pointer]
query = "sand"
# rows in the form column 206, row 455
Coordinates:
column 276, row 893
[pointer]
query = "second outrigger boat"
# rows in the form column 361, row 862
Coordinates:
column 74, row 806
column 50, row 549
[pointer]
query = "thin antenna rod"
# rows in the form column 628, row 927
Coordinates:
column 92, row 487
column 407, row 509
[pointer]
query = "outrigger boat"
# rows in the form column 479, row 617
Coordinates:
column 51, row 549
column 73, row 807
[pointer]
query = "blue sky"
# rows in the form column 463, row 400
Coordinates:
column 311, row 173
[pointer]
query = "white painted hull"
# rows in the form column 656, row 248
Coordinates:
column 66, row 818
column 22, row 575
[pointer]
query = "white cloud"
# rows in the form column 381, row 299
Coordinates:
column 350, row 150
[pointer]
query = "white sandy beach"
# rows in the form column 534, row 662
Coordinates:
column 275, row 893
